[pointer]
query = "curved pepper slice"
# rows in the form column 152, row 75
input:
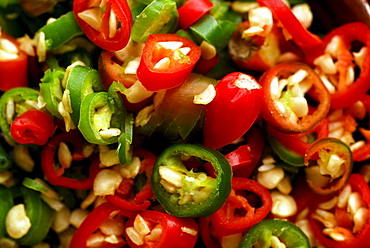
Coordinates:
column 343, row 230
column 185, row 193
column 172, row 230
column 191, row 11
column 13, row 103
column 267, row 232
column 347, row 48
column 92, row 223
column 106, row 23
column 6, row 204
column 56, row 177
column 234, row 109
column 286, row 107
column 13, row 64
column 227, row 219
column 167, row 61
column 32, row 127
column 329, row 162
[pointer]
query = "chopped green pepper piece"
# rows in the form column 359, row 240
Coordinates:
column 13, row 103
column 185, row 193
column 286, row 154
column 60, row 31
column 5, row 206
column 264, row 232
column 158, row 17
column 33, row 184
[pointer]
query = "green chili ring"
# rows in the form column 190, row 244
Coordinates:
column 219, row 187
column 287, row 232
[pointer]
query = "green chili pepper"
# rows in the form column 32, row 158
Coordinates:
column 262, row 233
column 286, row 154
column 13, row 103
column 51, row 91
column 5, row 206
column 11, row 26
column 81, row 81
column 60, row 31
column 33, row 184
column 221, row 11
column 215, row 32
column 185, row 193
column 124, row 150
column 5, row 160
column 158, row 17
column 40, row 215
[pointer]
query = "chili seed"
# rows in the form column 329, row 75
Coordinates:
column 113, row 24
column 106, row 182
column 135, row 237
column 325, row 217
column 171, row 176
column 344, row 196
column 137, row 92
column 77, row 216
column 17, row 222
column 61, row 220
column 360, row 218
column 206, row 96
column 283, row 205
column 271, row 178
column 92, row 17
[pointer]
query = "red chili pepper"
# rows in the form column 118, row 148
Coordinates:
column 141, row 199
column 105, row 34
column 13, row 64
column 192, row 11
column 48, row 163
column 227, row 221
column 205, row 228
column 350, row 34
column 278, row 107
column 110, row 71
column 203, row 66
column 234, row 109
column 174, row 231
column 167, row 61
column 310, row 44
column 32, row 127
column 351, row 240
column 256, row 143
column 92, row 223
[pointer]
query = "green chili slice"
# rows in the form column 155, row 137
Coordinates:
column 81, row 81
column 13, row 103
column 286, row 154
column 267, row 231
column 158, row 17
column 5, row 206
column 185, row 193
column 60, row 31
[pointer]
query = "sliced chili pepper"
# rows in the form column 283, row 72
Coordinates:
column 239, row 213
column 80, row 82
column 256, row 143
column 13, row 64
column 32, row 127
column 40, row 215
column 310, row 44
column 177, row 116
column 92, row 223
column 288, row 110
column 263, row 233
column 57, row 33
column 107, row 25
column 191, row 11
column 173, row 230
column 167, row 61
column 186, row 193
column 228, row 110
column 141, row 199
column 346, row 236
column 203, row 66
column 158, row 17
column 55, row 176
column 13, row 103
column 346, row 40
column 334, row 163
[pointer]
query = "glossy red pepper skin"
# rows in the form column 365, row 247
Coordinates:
column 225, row 224
column 93, row 221
column 13, row 72
column 141, row 199
column 351, row 33
column 175, row 230
column 176, row 73
column 192, row 11
column 310, row 44
column 270, row 111
column 111, row 71
column 101, row 38
column 32, row 127
column 234, row 109
column 55, row 177
column 361, row 239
